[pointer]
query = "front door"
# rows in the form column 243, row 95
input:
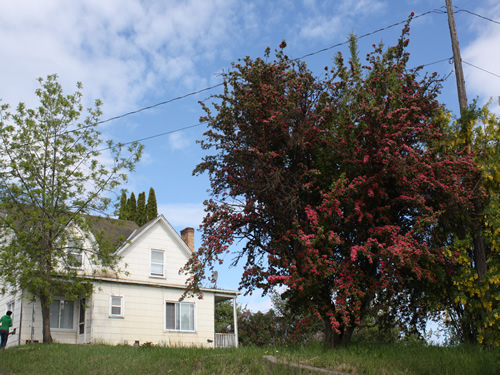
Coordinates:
column 81, row 322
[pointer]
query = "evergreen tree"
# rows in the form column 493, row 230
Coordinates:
column 141, row 217
column 151, row 207
column 132, row 208
column 122, row 210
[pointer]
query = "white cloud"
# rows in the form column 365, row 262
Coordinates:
column 121, row 51
column 178, row 141
column 483, row 52
column 327, row 19
column 360, row 8
column 321, row 27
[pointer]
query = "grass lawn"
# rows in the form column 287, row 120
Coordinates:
column 355, row 359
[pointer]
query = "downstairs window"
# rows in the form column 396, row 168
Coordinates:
column 61, row 314
column 179, row 316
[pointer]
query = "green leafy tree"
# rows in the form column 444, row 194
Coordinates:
column 293, row 323
column 257, row 328
column 224, row 316
column 337, row 185
column 132, row 207
column 152, row 206
column 51, row 179
column 141, row 217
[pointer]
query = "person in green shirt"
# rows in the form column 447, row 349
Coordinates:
column 6, row 322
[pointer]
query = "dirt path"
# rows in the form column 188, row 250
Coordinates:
column 318, row 370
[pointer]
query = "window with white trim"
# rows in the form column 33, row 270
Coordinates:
column 157, row 263
column 116, row 306
column 10, row 307
column 179, row 316
column 75, row 258
column 61, row 314
column 74, row 253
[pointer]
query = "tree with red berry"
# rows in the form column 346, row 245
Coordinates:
column 335, row 187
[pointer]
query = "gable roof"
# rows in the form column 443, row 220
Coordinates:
column 140, row 232
column 118, row 234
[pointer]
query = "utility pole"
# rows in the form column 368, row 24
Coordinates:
column 480, row 263
column 462, row 96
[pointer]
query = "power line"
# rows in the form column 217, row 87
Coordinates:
column 158, row 104
column 156, row 135
column 477, row 15
column 439, row 61
column 484, row 70
column 438, row 10
column 220, row 84
column 203, row 123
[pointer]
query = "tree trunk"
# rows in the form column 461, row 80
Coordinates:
column 334, row 339
column 47, row 337
column 477, row 233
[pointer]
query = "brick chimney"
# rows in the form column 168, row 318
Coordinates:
column 187, row 236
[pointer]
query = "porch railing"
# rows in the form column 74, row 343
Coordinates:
column 225, row 340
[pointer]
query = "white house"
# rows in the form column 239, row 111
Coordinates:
column 137, row 306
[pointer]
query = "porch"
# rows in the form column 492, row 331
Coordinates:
column 225, row 340
column 223, row 337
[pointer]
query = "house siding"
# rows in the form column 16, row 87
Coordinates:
column 31, row 330
column 16, row 315
column 144, row 317
column 136, row 257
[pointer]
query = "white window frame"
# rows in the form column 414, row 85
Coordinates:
column 76, row 253
column 178, row 323
column 121, row 306
column 61, row 301
column 10, row 306
column 156, row 274
column 74, row 248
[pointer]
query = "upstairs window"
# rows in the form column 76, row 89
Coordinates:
column 74, row 253
column 157, row 263
column 75, row 258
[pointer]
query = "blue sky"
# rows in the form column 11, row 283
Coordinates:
column 134, row 54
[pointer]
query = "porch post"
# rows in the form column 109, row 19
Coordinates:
column 235, row 317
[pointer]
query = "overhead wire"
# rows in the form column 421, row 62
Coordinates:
column 484, row 70
column 205, row 122
column 220, row 84
column 475, row 14
column 437, row 10
column 158, row 104
column 155, row 136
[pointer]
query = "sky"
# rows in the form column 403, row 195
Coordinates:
column 138, row 54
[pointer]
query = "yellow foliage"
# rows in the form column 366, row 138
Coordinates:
column 481, row 131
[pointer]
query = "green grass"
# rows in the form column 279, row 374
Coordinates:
column 355, row 359
column 400, row 359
